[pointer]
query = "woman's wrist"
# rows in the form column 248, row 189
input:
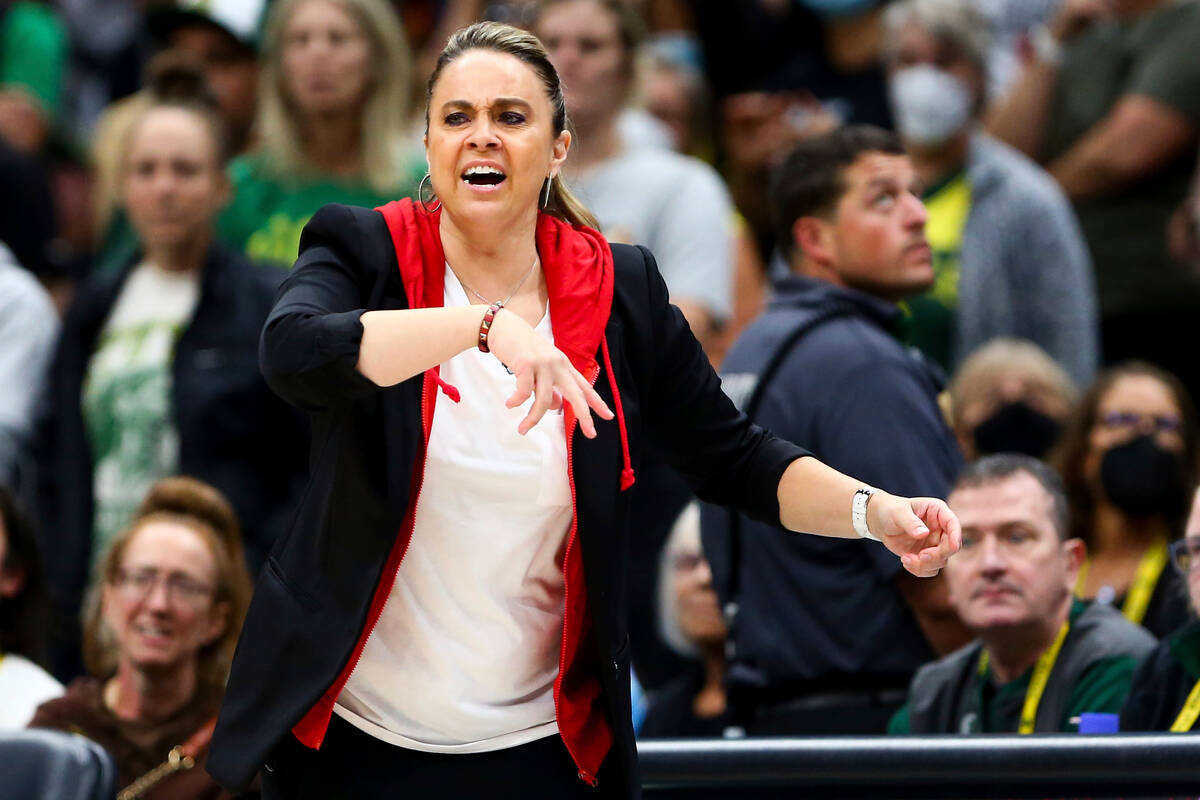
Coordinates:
column 878, row 513
column 485, row 327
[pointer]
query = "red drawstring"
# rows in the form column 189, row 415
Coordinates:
column 627, row 476
column 447, row 389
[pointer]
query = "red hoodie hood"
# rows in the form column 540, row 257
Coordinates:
column 578, row 265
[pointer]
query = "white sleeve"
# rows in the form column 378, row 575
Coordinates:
column 29, row 328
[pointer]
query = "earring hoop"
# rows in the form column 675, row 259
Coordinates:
column 546, row 197
column 421, row 194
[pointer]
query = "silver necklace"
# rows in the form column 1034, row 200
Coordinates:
column 516, row 288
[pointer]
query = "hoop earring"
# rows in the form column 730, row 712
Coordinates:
column 421, row 194
column 546, row 197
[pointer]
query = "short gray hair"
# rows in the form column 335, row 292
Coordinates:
column 993, row 469
column 957, row 23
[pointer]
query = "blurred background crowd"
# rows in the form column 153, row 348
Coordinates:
column 160, row 158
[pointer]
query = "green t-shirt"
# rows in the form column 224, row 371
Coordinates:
column 1154, row 56
column 33, row 53
column 928, row 322
column 1102, row 689
column 268, row 212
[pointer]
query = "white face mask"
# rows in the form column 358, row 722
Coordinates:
column 929, row 105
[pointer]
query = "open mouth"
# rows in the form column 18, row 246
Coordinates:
column 483, row 176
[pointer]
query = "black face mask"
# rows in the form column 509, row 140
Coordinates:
column 1016, row 428
column 1143, row 479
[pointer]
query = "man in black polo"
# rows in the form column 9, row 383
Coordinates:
column 827, row 633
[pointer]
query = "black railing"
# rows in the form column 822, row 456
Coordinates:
column 963, row 767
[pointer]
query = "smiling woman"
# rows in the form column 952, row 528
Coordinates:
column 482, row 372
column 174, row 590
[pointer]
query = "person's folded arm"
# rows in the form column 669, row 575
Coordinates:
column 309, row 347
column 1139, row 135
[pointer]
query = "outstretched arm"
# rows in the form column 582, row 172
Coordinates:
column 815, row 498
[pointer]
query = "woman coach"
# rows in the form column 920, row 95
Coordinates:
column 447, row 613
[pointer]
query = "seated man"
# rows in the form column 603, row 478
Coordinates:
column 1042, row 658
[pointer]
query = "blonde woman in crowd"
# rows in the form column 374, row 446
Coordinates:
column 174, row 591
column 1009, row 396
column 332, row 122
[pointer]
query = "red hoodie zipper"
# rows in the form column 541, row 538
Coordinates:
column 584, row 775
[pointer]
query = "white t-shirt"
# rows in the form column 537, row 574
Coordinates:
column 127, row 395
column 466, row 651
column 675, row 205
column 23, row 687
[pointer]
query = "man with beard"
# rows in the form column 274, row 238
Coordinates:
column 1042, row 658
column 827, row 634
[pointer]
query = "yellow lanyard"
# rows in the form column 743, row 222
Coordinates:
column 1037, row 683
column 1191, row 709
column 1149, row 570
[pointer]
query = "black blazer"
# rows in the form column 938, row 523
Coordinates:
column 312, row 598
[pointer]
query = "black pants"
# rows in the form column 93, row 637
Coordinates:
column 353, row 764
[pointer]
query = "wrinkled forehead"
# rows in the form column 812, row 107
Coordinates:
column 1015, row 499
column 479, row 77
column 879, row 169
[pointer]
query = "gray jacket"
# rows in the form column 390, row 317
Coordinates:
column 1026, row 271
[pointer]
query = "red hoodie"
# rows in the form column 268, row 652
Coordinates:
column 578, row 267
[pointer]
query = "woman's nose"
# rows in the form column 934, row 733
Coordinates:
column 483, row 134
column 159, row 596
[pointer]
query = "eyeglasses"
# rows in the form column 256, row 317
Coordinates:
column 1185, row 553
column 1130, row 420
column 137, row 585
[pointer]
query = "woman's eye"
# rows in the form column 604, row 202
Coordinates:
column 512, row 118
column 457, row 118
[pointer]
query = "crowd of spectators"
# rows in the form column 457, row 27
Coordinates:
column 917, row 237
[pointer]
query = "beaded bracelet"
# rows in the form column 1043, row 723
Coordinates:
column 486, row 326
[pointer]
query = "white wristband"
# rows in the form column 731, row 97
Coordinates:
column 858, row 512
column 1046, row 49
